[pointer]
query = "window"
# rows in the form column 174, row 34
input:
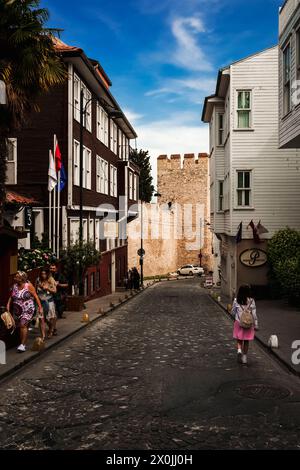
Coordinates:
column 125, row 147
column 130, row 185
column 87, row 162
column 298, row 53
column 76, row 163
column 102, row 175
column 97, row 234
column 113, row 181
column 88, row 107
column 76, row 100
column 244, row 188
column 244, row 109
column 11, row 162
column 220, row 129
column 87, row 170
column 78, row 85
column 115, row 138
column 287, row 80
column 99, row 122
column 105, row 129
column 120, row 139
column 135, row 181
column 221, row 196
column 91, row 231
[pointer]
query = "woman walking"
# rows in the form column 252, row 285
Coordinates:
column 46, row 289
column 22, row 305
column 246, row 322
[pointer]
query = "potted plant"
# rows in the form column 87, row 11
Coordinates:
column 75, row 261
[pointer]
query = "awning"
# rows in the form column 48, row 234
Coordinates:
column 15, row 198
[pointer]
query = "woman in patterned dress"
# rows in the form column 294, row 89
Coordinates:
column 46, row 289
column 21, row 304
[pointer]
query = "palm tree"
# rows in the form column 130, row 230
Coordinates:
column 29, row 66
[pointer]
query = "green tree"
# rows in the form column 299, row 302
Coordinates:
column 284, row 259
column 29, row 66
column 142, row 159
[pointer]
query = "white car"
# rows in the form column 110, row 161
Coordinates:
column 190, row 270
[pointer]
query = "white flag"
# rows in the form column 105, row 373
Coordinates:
column 52, row 176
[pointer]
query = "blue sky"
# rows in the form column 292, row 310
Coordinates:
column 163, row 56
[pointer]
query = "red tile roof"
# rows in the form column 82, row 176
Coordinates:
column 60, row 46
column 12, row 197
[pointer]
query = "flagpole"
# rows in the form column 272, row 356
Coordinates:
column 50, row 215
column 58, row 214
column 54, row 205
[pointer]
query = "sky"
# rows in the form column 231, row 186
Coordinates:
column 163, row 57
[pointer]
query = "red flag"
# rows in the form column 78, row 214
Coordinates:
column 255, row 234
column 57, row 157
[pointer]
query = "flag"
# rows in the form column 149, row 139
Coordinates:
column 63, row 178
column 238, row 237
column 57, row 157
column 255, row 234
column 261, row 229
column 52, row 177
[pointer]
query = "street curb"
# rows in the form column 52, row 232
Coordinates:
column 5, row 375
column 261, row 342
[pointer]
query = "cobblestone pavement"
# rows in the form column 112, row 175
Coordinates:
column 158, row 373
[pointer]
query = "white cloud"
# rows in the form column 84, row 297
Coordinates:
column 132, row 115
column 185, row 87
column 178, row 134
column 188, row 54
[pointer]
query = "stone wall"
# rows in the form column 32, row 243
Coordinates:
column 173, row 234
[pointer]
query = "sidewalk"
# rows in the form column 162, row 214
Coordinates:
column 276, row 317
column 68, row 326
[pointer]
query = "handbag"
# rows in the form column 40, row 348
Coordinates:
column 8, row 321
column 246, row 320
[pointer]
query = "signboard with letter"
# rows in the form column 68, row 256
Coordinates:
column 253, row 258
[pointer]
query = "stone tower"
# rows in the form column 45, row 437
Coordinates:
column 183, row 182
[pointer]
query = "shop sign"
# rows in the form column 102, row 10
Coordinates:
column 253, row 258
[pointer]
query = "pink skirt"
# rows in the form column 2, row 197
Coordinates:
column 241, row 333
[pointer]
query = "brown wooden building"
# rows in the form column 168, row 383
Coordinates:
column 108, row 174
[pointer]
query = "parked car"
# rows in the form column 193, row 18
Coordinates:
column 190, row 270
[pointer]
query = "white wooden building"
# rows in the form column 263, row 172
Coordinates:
column 250, row 177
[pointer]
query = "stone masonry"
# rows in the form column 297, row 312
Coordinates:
column 184, row 181
column 181, row 181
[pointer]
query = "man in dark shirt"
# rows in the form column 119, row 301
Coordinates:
column 61, row 290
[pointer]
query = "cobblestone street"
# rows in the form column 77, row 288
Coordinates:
column 160, row 372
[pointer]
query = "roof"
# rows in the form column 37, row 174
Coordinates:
column 221, row 71
column 13, row 198
column 98, row 72
column 60, row 46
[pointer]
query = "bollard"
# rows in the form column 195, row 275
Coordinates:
column 100, row 311
column 85, row 317
column 229, row 308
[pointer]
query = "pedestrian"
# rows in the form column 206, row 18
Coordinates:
column 61, row 290
column 246, row 322
column 136, row 278
column 129, row 276
column 21, row 304
column 46, row 289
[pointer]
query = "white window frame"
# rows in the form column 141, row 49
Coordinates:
column 102, row 182
column 220, row 207
column 97, row 234
column 12, row 163
column 76, row 96
column 87, row 95
column 120, row 143
column 250, row 110
column 76, row 163
column 243, row 189
column 113, row 181
column 220, row 130
column 130, row 194
column 92, row 230
column 105, row 129
column 115, row 138
column 286, row 80
column 298, row 53
column 99, row 122
column 87, row 158
column 135, row 189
